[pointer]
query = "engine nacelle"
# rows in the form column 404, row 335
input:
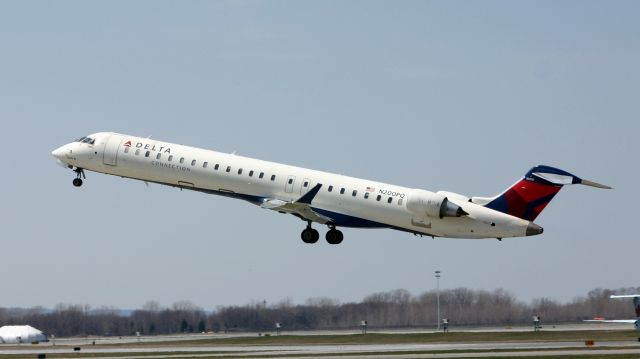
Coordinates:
column 434, row 205
column 456, row 196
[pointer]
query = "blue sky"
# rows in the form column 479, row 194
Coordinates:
column 458, row 96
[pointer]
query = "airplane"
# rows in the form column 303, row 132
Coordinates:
column 320, row 197
column 636, row 306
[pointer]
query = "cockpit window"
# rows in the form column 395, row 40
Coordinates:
column 88, row 140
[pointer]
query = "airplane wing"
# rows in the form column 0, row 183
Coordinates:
column 627, row 321
column 625, row 296
column 300, row 207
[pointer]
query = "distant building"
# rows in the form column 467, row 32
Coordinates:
column 16, row 334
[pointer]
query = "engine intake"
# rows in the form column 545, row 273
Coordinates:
column 433, row 205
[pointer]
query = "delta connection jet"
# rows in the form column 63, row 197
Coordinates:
column 636, row 306
column 320, row 197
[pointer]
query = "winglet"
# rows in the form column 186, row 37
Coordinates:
column 309, row 196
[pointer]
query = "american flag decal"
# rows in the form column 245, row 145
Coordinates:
column 371, row 189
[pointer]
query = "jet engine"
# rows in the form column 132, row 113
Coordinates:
column 434, row 205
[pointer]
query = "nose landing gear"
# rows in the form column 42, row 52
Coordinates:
column 77, row 182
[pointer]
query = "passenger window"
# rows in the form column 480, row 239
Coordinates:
column 216, row 167
column 261, row 175
column 378, row 198
column 147, row 154
column 273, row 177
column 306, row 183
column 342, row 190
column 181, row 159
column 400, row 202
column 251, row 173
column 170, row 158
column 205, row 165
column 366, row 195
column 228, row 168
column 240, row 171
column 126, row 150
column 137, row 151
column 354, row 193
column 158, row 156
column 193, row 162
column 290, row 180
column 389, row 200
column 330, row 189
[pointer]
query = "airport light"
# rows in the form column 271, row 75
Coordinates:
column 438, row 295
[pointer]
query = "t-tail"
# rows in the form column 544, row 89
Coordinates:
column 529, row 196
column 636, row 302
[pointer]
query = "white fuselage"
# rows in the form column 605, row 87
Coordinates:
column 346, row 201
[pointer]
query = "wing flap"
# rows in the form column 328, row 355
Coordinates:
column 301, row 207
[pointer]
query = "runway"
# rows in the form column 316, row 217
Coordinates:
column 180, row 346
column 344, row 351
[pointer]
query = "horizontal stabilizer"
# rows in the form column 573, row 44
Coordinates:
column 594, row 184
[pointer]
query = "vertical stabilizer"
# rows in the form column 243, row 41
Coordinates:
column 529, row 196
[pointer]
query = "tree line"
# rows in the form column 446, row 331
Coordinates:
column 392, row 309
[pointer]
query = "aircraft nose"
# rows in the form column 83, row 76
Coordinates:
column 533, row 229
column 59, row 152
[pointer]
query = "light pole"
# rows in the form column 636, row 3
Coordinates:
column 438, row 295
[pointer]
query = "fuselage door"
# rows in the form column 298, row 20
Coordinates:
column 111, row 150
column 288, row 187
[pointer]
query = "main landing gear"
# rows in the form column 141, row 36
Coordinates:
column 310, row 235
column 334, row 236
column 79, row 176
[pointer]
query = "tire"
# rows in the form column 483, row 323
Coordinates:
column 334, row 236
column 77, row 182
column 309, row 235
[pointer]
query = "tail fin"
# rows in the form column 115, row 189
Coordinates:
column 528, row 197
column 636, row 301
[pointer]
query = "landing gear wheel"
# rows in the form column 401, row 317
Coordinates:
column 309, row 235
column 79, row 176
column 334, row 236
